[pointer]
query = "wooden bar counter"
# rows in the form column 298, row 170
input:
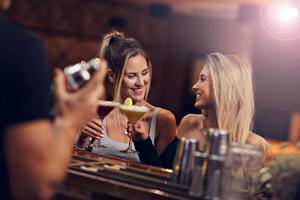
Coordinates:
column 92, row 176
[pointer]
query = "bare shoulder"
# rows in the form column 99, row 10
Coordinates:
column 191, row 125
column 166, row 122
column 166, row 115
column 192, row 119
column 256, row 140
column 261, row 143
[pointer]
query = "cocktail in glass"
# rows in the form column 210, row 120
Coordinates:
column 104, row 108
column 133, row 114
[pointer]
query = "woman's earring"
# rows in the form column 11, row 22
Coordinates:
column 111, row 77
column 203, row 112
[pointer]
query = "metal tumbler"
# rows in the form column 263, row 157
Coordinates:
column 184, row 159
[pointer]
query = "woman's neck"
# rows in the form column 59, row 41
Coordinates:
column 211, row 119
column 140, row 103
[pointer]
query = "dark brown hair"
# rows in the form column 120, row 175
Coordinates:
column 116, row 49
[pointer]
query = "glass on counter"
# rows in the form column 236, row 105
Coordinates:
column 243, row 162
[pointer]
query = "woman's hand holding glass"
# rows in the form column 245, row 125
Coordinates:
column 139, row 131
column 129, row 132
column 94, row 128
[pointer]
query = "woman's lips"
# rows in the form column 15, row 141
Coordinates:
column 198, row 96
column 138, row 90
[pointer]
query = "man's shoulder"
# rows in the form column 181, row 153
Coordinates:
column 17, row 42
column 15, row 34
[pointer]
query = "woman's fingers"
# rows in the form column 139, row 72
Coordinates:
column 139, row 130
column 94, row 127
column 92, row 132
column 97, row 122
column 86, row 132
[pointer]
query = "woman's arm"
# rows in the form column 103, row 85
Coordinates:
column 147, row 152
column 165, row 130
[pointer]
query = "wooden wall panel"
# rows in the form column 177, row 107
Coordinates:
column 71, row 30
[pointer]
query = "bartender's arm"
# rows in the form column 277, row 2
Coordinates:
column 38, row 151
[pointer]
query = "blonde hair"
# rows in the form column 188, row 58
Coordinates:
column 233, row 93
column 117, row 49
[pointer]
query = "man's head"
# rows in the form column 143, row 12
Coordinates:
column 4, row 4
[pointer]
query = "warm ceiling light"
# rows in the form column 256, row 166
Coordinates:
column 281, row 19
column 287, row 14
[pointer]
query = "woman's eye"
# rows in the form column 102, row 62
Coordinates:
column 130, row 76
column 203, row 78
column 145, row 73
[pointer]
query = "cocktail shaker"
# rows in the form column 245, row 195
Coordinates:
column 218, row 146
column 183, row 165
column 197, row 184
column 77, row 75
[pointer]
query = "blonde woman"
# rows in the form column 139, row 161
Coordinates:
column 129, row 75
column 224, row 92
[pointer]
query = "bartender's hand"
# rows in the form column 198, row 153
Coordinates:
column 140, row 131
column 94, row 128
column 76, row 108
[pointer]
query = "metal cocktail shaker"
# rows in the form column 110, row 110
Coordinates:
column 77, row 75
column 197, row 184
column 218, row 146
column 183, row 165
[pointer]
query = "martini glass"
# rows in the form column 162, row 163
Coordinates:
column 133, row 114
column 104, row 108
column 85, row 142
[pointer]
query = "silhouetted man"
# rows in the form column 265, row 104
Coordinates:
column 34, row 151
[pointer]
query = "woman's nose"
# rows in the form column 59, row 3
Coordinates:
column 195, row 87
column 140, row 81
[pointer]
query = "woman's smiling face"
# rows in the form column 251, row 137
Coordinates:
column 203, row 91
column 136, row 78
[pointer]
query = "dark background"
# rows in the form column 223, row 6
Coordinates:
column 72, row 29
